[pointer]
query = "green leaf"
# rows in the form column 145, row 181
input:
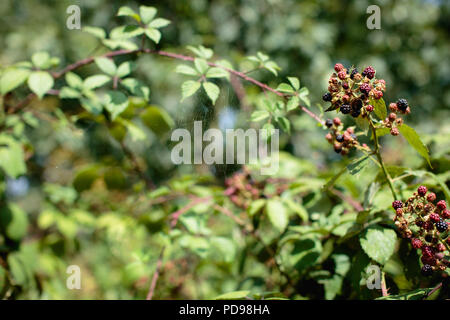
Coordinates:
column 188, row 88
column 357, row 165
column 295, row 82
column 293, row 103
column 235, row 295
column 277, row 214
column 96, row 32
column 12, row 78
column 125, row 32
column 13, row 221
column 417, row 294
column 106, row 65
column 217, row 73
column 69, row 93
column 115, row 102
column 201, row 52
column 256, row 206
column 379, row 108
column 303, row 95
column 127, row 11
column 41, row 60
column 297, row 208
column 136, row 87
column 147, row 13
column 93, row 106
column 40, row 82
column 272, row 67
column 153, row 34
column 378, row 243
column 201, row 65
column 414, row 140
column 11, row 156
column 259, row 115
column 284, row 124
column 95, row 81
column 159, row 23
column 157, row 120
column 125, row 68
column 74, row 81
column 184, row 69
column 270, row 130
column 284, row 87
column 136, row 133
column 212, row 91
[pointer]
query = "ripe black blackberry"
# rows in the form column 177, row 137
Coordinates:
column 329, row 123
column 327, row 97
column 346, row 109
column 427, row 270
column 354, row 71
column 402, row 104
column 441, row 226
column 340, row 138
column 356, row 112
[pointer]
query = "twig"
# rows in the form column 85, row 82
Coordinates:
column 433, row 290
column 355, row 204
column 155, row 277
column 384, row 290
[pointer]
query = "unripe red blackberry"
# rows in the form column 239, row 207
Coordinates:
column 377, row 94
column 369, row 72
column 431, row 197
column 428, row 207
column 337, row 147
column 422, row 190
column 427, row 251
column 337, row 121
column 402, row 104
column 416, row 243
column 338, row 67
column 441, row 226
column 399, row 121
column 427, row 270
column 329, row 123
column 345, row 85
column 329, row 137
column 393, row 107
column 350, row 130
column 397, row 204
column 365, row 88
column 434, row 217
column 446, row 214
column 441, row 247
column 441, row 205
column 369, row 108
column 395, row 132
column 345, row 109
column 327, row 97
column 342, row 75
column 345, row 98
column 392, row 117
column 399, row 212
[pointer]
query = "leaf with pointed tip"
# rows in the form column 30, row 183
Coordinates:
column 153, row 34
column 284, row 87
column 40, row 82
column 136, row 88
column 115, row 102
column 147, row 13
column 188, row 88
column 106, row 65
column 259, row 115
column 96, row 32
column 73, row 80
column 212, row 91
column 379, row 108
column 201, row 65
column 159, row 23
column 217, row 73
column 95, row 81
column 127, row 11
column 184, row 69
column 12, row 78
column 414, row 140
column 125, row 68
column 294, row 82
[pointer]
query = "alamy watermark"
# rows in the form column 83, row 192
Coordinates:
column 235, row 147
column 74, row 279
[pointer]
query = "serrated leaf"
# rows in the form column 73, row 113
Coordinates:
column 159, row 23
column 284, row 124
column 96, row 32
column 125, row 32
column 277, row 214
column 212, row 91
column 40, row 82
column 201, row 65
column 73, row 80
column 303, row 95
column 106, row 65
column 379, row 108
column 92, row 106
column 127, row 11
column 293, row 103
column 272, row 67
column 41, row 60
column 95, row 81
column 188, row 88
column 414, row 140
column 259, row 115
column 115, row 102
column 69, row 93
column 11, row 156
column 184, row 69
column 217, row 73
column 136, row 87
column 378, row 243
column 284, row 87
column 147, row 13
column 357, row 165
column 12, row 78
column 294, row 82
column 153, row 34
column 125, row 68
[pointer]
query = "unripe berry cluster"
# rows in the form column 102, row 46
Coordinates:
column 342, row 140
column 393, row 121
column 350, row 91
column 423, row 221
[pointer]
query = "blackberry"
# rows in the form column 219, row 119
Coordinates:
column 402, row 104
column 369, row 72
column 434, row 217
column 441, row 205
column 397, row 204
column 428, row 238
column 441, row 226
column 338, row 67
column 431, row 197
column 354, row 71
column 327, row 97
column 329, row 123
column 356, row 113
column 416, row 243
column 339, row 138
column 427, row 270
column 353, row 136
column 422, row 190
column 346, row 109
column 358, row 104
column 365, row 88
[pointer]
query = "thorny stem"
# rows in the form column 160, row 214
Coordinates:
column 380, row 159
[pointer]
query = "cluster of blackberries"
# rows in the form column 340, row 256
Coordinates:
column 342, row 140
column 393, row 121
column 350, row 91
column 243, row 189
column 420, row 220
